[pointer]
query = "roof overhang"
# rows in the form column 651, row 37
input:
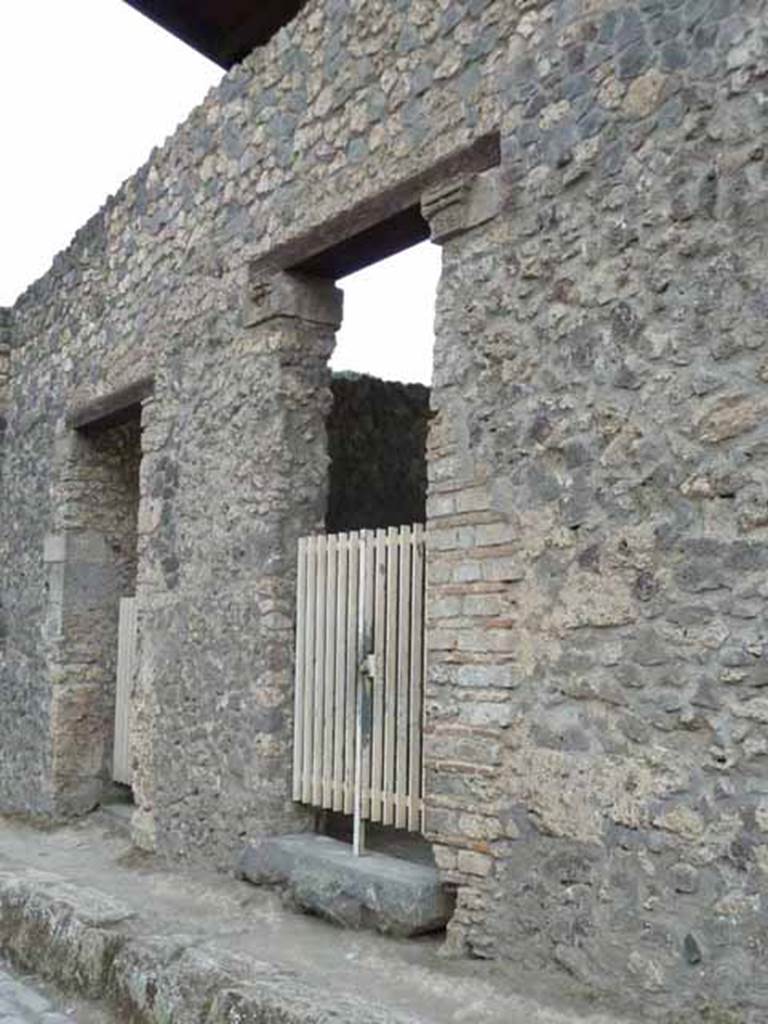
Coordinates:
column 225, row 31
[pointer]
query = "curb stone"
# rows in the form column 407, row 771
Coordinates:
column 85, row 942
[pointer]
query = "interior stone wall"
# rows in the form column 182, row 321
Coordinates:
column 91, row 562
column 377, row 444
column 596, row 732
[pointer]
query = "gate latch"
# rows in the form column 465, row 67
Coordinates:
column 368, row 666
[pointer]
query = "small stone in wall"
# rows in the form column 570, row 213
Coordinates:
column 644, row 94
column 755, row 710
column 475, row 863
column 611, row 93
column 647, row 972
column 730, row 417
column 554, row 114
column 753, row 508
column 692, row 950
column 685, row 878
column 683, row 822
column 761, row 816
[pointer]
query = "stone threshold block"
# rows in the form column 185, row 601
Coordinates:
column 322, row 876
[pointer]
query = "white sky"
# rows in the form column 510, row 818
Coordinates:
column 87, row 88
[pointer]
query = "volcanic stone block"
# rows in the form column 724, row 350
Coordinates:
column 322, row 876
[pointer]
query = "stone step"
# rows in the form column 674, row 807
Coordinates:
column 322, row 876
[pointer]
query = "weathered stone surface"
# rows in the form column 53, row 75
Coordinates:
column 322, row 876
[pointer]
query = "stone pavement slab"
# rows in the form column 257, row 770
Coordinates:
column 83, row 909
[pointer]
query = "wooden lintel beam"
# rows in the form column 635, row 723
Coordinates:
column 116, row 407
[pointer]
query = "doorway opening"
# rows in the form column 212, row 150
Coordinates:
column 99, row 543
column 382, row 368
column 377, row 482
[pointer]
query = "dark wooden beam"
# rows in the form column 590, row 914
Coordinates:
column 118, row 407
column 390, row 236
column 378, row 227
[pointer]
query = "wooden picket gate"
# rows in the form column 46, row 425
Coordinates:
column 359, row 696
column 122, row 770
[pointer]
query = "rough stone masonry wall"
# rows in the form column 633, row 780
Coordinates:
column 25, row 748
column 223, row 504
column 377, row 439
column 338, row 105
column 598, row 747
column 5, row 377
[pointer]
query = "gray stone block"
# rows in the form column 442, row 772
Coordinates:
column 322, row 876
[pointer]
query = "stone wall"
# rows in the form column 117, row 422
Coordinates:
column 230, row 481
column 377, row 441
column 5, row 379
column 597, row 752
column 596, row 748
column 5, row 360
column 25, row 739
column 153, row 287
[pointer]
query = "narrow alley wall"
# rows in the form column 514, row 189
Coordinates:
column 377, row 439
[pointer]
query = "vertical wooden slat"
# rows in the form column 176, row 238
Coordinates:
column 328, row 672
column 368, row 618
column 390, row 679
column 425, row 646
column 380, row 648
column 118, row 745
column 317, row 741
column 416, row 710
column 122, row 769
column 351, row 671
column 403, row 674
column 299, row 680
column 340, row 672
column 309, row 671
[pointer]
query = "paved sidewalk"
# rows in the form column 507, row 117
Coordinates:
column 82, row 908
